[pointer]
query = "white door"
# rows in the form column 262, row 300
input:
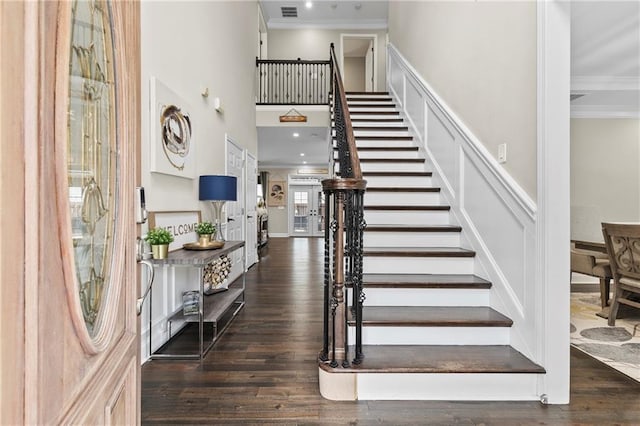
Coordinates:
column 369, row 68
column 251, row 165
column 234, row 228
column 307, row 211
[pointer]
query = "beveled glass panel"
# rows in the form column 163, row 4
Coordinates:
column 92, row 153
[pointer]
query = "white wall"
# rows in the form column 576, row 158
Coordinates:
column 354, row 69
column 189, row 46
column 605, row 177
column 481, row 58
column 278, row 216
column 314, row 44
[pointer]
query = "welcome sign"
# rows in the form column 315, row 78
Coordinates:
column 181, row 224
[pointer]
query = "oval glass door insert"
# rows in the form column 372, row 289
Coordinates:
column 92, row 160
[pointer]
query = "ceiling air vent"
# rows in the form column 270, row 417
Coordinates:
column 289, row 12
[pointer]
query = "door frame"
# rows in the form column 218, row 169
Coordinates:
column 254, row 203
column 374, row 38
column 312, row 200
column 241, row 184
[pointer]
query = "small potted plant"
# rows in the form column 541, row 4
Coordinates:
column 159, row 239
column 204, row 231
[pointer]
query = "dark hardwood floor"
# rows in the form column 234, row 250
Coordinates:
column 264, row 371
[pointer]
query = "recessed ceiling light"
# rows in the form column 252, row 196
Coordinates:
column 304, row 162
column 302, row 154
column 309, row 5
column 295, row 135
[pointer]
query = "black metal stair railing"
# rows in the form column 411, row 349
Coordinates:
column 292, row 82
column 343, row 236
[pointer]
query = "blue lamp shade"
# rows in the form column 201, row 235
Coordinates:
column 218, row 188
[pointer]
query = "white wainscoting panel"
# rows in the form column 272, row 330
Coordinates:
column 414, row 110
column 497, row 216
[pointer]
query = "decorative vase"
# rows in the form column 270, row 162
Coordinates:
column 160, row 251
column 204, row 239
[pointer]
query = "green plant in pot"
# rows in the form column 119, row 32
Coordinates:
column 204, row 231
column 159, row 239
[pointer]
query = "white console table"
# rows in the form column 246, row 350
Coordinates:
column 212, row 308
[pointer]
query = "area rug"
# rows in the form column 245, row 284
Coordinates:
column 618, row 346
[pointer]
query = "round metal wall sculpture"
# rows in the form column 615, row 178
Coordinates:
column 176, row 135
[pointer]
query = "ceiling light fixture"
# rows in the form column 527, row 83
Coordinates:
column 309, row 5
column 304, row 162
column 302, row 154
column 357, row 6
column 295, row 135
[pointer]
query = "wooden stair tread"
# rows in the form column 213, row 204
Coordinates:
column 392, row 160
column 374, row 105
column 376, row 112
column 408, row 208
column 467, row 281
column 383, row 148
column 381, row 138
column 369, row 99
column 367, row 93
column 398, row 174
column 417, row 252
column 377, row 120
column 381, row 128
column 413, row 228
column 432, row 316
column 440, row 359
column 403, row 189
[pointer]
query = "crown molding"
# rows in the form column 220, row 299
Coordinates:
column 579, row 83
column 286, row 24
column 604, row 111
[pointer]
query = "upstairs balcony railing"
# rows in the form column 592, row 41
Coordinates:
column 293, row 82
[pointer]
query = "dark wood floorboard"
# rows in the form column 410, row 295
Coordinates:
column 264, row 371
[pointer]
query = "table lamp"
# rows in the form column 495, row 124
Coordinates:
column 218, row 189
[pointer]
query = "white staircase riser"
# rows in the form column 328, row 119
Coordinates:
column 411, row 239
column 383, row 143
column 417, row 265
column 357, row 123
column 355, row 116
column 363, row 154
column 356, row 109
column 390, row 154
column 385, row 133
column 391, row 167
column 368, row 133
column 424, row 297
column 375, row 335
column 366, row 95
column 398, row 181
column 408, row 217
column 377, row 101
column 447, row 386
column 401, row 198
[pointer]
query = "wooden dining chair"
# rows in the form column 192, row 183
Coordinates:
column 623, row 245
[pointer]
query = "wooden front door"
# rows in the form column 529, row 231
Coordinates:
column 70, row 86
